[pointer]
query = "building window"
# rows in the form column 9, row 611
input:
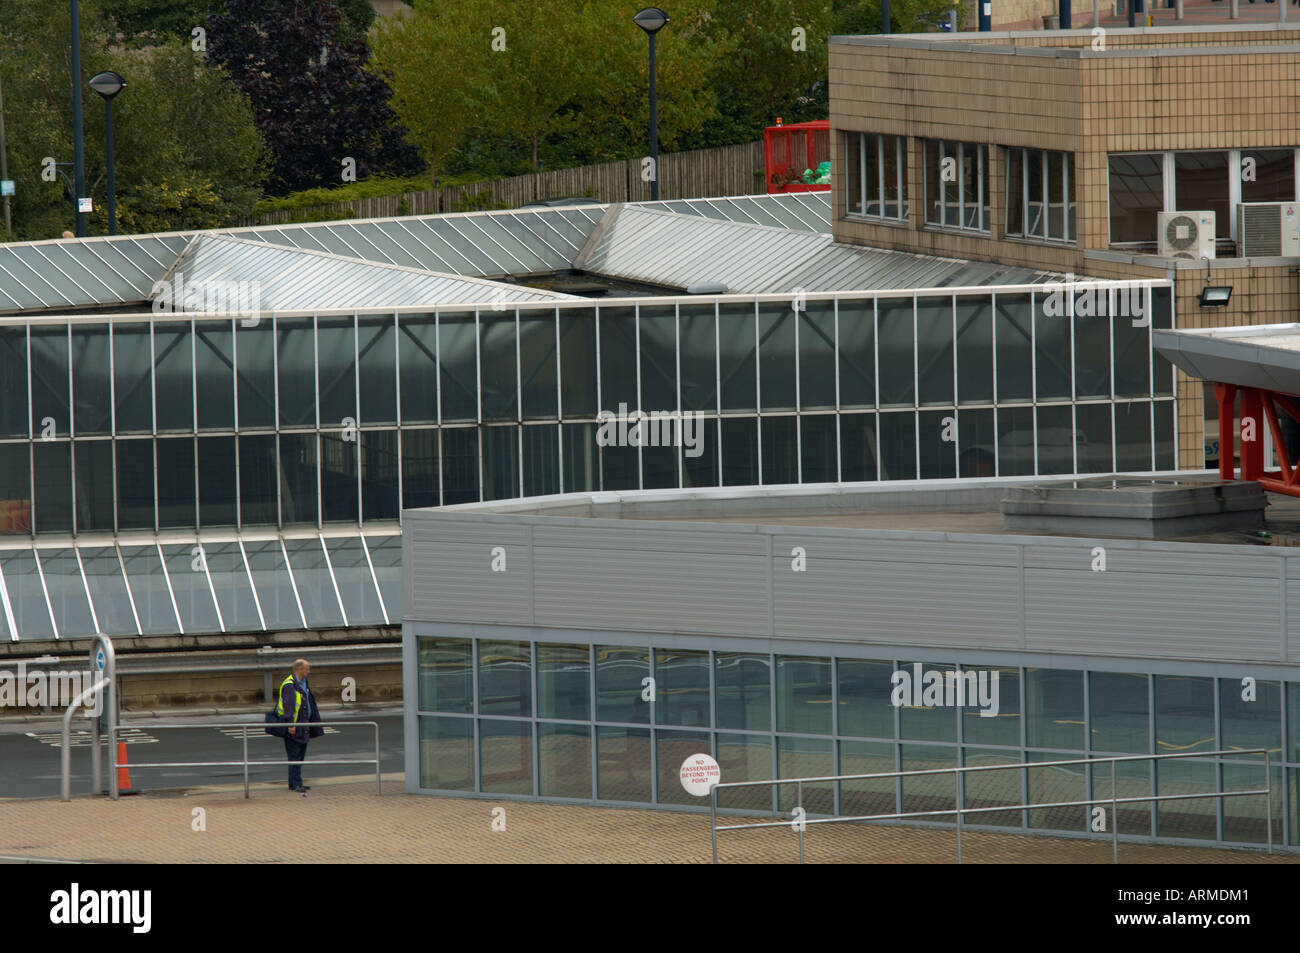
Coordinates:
column 956, row 184
column 876, row 176
column 1136, row 195
column 1040, row 194
column 1201, row 184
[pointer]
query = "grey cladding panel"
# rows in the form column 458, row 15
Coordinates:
column 1185, row 559
column 449, row 576
column 1152, row 614
column 651, row 590
column 903, row 600
column 920, row 552
column 685, row 538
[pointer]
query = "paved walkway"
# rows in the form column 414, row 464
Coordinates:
column 342, row 821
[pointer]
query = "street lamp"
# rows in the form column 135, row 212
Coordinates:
column 652, row 20
column 108, row 84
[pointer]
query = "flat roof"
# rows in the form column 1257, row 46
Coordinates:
column 1265, row 356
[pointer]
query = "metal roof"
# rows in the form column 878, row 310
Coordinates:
column 655, row 246
column 288, row 279
column 1266, row 356
column 77, row 273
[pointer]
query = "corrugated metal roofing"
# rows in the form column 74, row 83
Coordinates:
column 289, row 279
column 79, row 273
column 659, row 247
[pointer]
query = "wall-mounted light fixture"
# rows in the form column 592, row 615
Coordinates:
column 1214, row 296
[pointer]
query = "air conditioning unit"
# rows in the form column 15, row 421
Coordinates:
column 1186, row 234
column 1268, row 230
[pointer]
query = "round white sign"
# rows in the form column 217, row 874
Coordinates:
column 699, row 774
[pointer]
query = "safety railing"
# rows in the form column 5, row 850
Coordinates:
column 802, row 821
column 256, row 728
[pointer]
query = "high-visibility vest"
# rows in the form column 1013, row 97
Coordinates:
column 279, row 699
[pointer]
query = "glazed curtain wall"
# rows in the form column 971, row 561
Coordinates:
column 553, row 719
column 139, row 424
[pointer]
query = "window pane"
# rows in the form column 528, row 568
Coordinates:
column 458, row 368
column 67, row 592
column 563, row 684
column 274, row 588
column 996, row 719
column 91, row 381
column 937, row 444
column 337, row 374
column 379, row 467
column 504, row 678
column 624, row 755
column 53, row 484
column 135, row 494
column 1274, row 179
column 934, row 349
column 1054, row 708
column 500, row 463
column 446, row 674
column 780, row 450
column 1132, row 345
column 1184, row 713
column 1056, row 439
column 682, row 689
column 875, row 796
column 215, row 370
column 499, row 381
column 418, row 349
column 94, row 463
column 618, row 358
column 1119, row 712
column 298, row 478
column 897, row 367
column 740, row 452
column 700, row 452
column 897, row 446
column 853, row 169
column 578, row 362
column 974, row 349
column 26, row 595
column 1133, row 436
column 50, row 381
column 1013, row 328
column 1136, row 195
column 673, row 748
column 191, row 589
column 1015, row 196
column 356, row 586
column 739, row 368
column 420, row 468
column 537, row 370
column 153, row 599
column 255, row 365
column 619, row 674
column 699, row 358
column 658, row 329
column 1092, row 434
column 817, row 440
column 803, row 694
column 13, row 382
column 378, row 370
column 857, row 447
column 108, row 590
column 176, row 482
column 315, row 588
column 338, row 477
column 776, row 322
column 1201, row 183
column 742, row 684
column 1191, row 819
column 460, row 478
column 1015, row 441
column 920, row 718
column 230, row 583
column 976, row 444
column 864, row 689
column 506, row 756
column 258, row 464
column 806, row 758
column 173, row 377
column 817, row 356
column 297, row 372
column 930, row 792
column 447, row 753
column 565, row 755
column 217, row 481
column 16, row 489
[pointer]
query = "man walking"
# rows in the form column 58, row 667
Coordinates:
column 297, row 705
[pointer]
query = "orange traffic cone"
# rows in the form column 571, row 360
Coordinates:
column 123, row 772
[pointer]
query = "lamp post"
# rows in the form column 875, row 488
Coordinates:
column 78, row 145
column 108, row 84
column 652, row 20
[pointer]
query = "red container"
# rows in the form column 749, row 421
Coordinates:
column 788, row 150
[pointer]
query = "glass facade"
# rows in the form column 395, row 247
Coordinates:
column 208, row 584
column 785, row 716
column 330, row 420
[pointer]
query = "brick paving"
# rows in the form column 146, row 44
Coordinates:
column 343, row 821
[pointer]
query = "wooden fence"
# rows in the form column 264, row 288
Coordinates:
column 726, row 170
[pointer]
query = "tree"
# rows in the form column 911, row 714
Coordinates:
column 437, row 93
column 187, row 151
column 314, row 100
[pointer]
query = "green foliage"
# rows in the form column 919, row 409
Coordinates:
column 187, row 151
column 373, row 187
column 480, row 201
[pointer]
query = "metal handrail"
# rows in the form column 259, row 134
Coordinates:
column 245, row 725
column 960, row 812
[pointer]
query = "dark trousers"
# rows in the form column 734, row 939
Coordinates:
column 295, row 751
